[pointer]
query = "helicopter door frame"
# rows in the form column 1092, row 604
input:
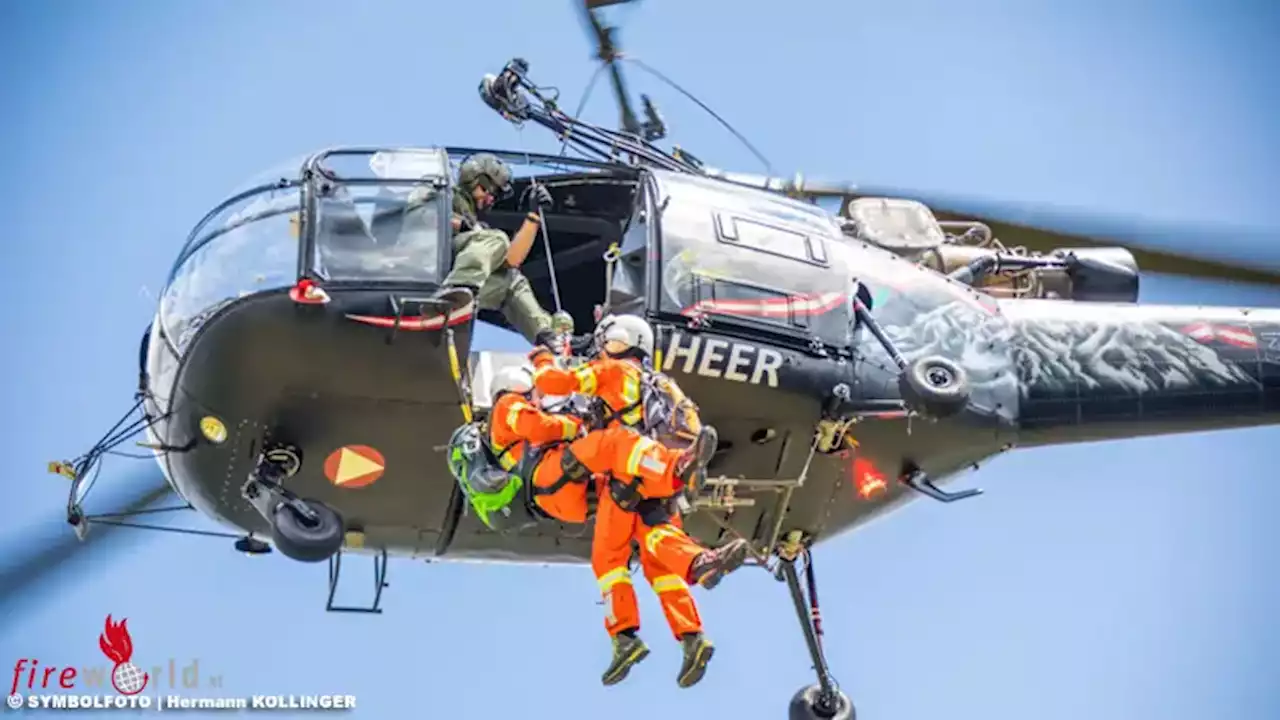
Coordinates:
column 649, row 211
column 313, row 172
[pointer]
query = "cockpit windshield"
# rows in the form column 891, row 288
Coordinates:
column 248, row 244
column 380, row 216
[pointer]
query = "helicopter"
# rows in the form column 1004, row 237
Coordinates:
column 297, row 379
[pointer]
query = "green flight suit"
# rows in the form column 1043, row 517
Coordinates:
column 479, row 261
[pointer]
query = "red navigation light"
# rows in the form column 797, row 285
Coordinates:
column 867, row 480
column 306, row 292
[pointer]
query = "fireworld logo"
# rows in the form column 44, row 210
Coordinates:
column 116, row 644
column 126, row 678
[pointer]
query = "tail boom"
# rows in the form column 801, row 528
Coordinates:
column 1104, row 371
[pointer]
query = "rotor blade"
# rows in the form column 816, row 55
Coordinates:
column 1215, row 253
column 1211, row 252
column 44, row 564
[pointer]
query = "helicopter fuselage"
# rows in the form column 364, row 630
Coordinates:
column 752, row 296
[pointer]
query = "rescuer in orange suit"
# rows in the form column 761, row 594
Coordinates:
column 637, row 508
column 517, row 426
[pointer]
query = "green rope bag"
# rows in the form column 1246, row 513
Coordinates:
column 490, row 489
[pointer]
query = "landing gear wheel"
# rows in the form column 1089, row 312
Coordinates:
column 307, row 539
column 934, row 386
column 808, row 705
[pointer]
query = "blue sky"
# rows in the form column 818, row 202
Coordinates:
column 1118, row 580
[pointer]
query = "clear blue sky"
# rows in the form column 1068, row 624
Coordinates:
column 1113, row 581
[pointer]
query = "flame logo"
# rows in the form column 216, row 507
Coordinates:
column 117, row 645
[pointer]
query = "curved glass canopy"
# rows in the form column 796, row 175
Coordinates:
column 359, row 217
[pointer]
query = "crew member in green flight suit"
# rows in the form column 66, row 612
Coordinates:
column 484, row 260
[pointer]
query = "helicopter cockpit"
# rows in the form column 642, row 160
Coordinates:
column 378, row 219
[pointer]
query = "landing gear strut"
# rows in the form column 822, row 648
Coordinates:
column 303, row 530
column 822, row 700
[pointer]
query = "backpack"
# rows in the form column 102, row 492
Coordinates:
column 493, row 492
column 668, row 415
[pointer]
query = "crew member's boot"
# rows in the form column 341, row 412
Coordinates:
column 695, row 458
column 628, row 649
column 697, row 653
column 711, row 566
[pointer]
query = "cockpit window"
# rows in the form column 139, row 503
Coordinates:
column 245, row 247
column 380, row 216
column 769, row 238
column 753, row 261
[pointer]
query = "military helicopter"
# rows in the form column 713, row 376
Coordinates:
column 853, row 348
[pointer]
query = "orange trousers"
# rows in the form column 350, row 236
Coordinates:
column 627, row 454
column 666, row 553
column 569, row 503
column 617, row 450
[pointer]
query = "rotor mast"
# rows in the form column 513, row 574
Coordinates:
column 653, row 128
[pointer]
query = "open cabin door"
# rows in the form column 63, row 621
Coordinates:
column 630, row 288
column 750, row 263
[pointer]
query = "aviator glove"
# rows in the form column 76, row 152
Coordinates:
column 536, row 197
column 581, row 344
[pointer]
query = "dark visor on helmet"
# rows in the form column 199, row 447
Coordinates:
column 500, row 192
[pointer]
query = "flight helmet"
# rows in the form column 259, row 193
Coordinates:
column 517, row 379
column 625, row 336
column 487, row 171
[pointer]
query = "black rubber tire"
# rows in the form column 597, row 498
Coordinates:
column 934, row 386
column 303, row 541
column 804, row 706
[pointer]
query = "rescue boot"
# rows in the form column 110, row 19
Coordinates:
column 695, row 458
column 628, row 649
column 710, row 567
column 697, row 653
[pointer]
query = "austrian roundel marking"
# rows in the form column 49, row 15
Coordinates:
column 354, row 466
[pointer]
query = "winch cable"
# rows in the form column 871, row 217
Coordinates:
column 546, row 244
column 582, row 105
column 707, row 109
column 546, row 241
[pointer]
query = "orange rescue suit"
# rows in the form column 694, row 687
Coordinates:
column 516, row 424
column 618, row 447
column 666, row 552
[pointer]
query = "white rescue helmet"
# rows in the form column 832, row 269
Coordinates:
column 630, row 330
column 518, row 379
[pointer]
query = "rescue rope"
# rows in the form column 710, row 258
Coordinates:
column 546, row 244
